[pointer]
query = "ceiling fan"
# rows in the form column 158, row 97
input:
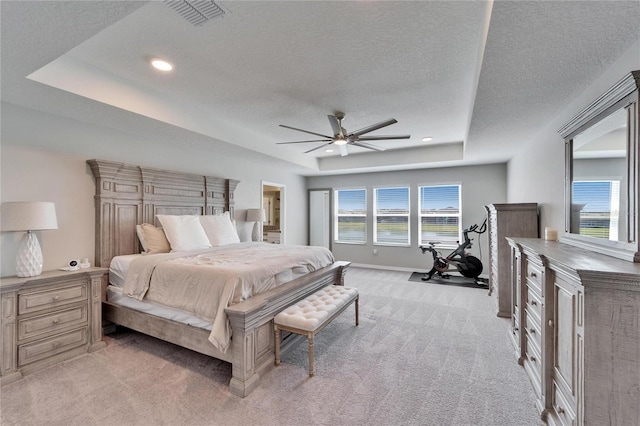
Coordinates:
column 342, row 138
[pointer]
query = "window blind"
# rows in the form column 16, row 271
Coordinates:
column 598, row 202
column 439, row 214
column 351, row 215
column 391, row 207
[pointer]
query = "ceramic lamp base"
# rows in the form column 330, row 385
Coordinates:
column 29, row 259
column 255, row 232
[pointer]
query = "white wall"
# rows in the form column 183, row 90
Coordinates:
column 43, row 158
column 537, row 173
column 481, row 185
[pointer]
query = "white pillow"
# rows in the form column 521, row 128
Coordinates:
column 220, row 230
column 184, row 232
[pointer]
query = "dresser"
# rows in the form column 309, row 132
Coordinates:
column 580, row 335
column 49, row 318
column 507, row 220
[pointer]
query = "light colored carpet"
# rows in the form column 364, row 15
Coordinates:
column 423, row 354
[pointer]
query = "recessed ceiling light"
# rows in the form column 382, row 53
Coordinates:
column 328, row 150
column 427, row 139
column 161, row 65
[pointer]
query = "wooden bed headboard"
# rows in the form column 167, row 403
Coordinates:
column 127, row 196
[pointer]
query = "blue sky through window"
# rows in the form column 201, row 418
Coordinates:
column 439, row 197
column 596, row 195
column 352, row 201
column 392, row 198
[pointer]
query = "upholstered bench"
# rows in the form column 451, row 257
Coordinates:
column 310, row 315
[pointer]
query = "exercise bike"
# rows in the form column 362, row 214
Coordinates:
column 458, row 260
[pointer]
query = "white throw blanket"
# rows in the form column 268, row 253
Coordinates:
column 205, row 282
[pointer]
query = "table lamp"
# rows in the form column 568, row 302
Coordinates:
column 28, row 216
column 258, row 216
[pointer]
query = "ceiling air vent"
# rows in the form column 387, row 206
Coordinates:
column 197, row 12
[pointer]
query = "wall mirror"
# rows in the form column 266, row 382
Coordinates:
column 601, row 184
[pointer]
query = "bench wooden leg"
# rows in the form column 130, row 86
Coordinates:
column 312, row 371
column 277, row 337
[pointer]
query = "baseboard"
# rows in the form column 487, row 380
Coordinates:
column 389, row 268
column 401, row 269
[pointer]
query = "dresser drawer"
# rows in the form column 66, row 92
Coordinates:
column 34, row 301
column 533, row 364
column 46, row 348
column 562, row 409
column 53, row 322
column 534, row 278
column 534, row 305
column 532, row 327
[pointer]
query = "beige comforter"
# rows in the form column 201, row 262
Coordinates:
column 205, row 282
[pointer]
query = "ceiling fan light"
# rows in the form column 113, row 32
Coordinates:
column 161, row 65
column 340, row 141
column 427, row 139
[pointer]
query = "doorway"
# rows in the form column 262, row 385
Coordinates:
column 320, row 217
column 273, row 203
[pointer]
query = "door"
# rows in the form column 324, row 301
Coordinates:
column 320, row 218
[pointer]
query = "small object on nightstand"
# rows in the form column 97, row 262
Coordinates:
column 73, row 266
column 84, row 263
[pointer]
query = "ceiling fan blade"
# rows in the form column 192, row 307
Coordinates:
column 343, row 150
column 367, row 145
column 374, row 127
column 316, row 140
column 318, row 147
column 382, row 138
column 306, row 131
column 335, row 124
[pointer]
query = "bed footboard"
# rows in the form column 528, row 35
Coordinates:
column 252, row 349
column 252, row 346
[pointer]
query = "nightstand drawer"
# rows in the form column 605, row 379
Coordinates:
column 53, row 322
column 41, row 349
column 74, row 291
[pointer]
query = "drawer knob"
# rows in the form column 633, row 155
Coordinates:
column 534, row 275
column 533, row 358
column 560, row 410
column 550, row 323
column 515, row 328
column 534, row 303
column 55, row 321
column 532, row 330
column 56, row 298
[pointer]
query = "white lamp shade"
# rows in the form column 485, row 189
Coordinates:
column 28, row 216
column 256, row 215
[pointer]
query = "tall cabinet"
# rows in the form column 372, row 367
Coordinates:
column 507, row 220
column 580, row 340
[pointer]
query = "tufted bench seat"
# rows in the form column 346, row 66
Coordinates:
column 310, row 315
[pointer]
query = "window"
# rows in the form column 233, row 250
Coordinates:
column 598, row 204
column 351, row 216
column 439, row 214
column 391, row 210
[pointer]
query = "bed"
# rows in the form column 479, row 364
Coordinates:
column 127, row 196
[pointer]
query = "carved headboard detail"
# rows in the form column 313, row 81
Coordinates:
column 127, row 196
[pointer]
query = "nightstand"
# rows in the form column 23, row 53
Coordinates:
column 49, row 318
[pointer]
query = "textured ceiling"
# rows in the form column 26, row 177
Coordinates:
column 480, row 77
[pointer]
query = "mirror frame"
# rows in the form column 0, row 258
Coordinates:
column 624, row 94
